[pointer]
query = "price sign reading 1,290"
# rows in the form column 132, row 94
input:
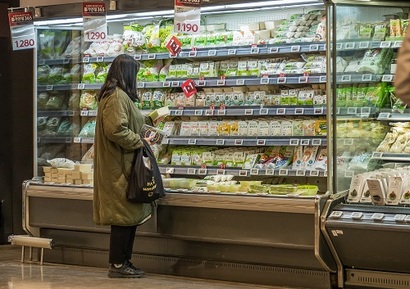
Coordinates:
column 95, row 21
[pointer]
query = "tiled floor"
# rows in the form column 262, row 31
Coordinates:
column 17, row 275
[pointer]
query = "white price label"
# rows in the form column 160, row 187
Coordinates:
column 81, row 86
column 202, row 172
column 86, row 59
column 193, row 53
column 299, row 111
column 387, row 78
column 92, row 113
column 397, row 44
column 294, row 142
column 243, row 173
column 316, row 142
column 283, row 172
column 240, row 82
column 384, row 115
column 318, row 111
column 263, row 111
column 99, row 59
column 350, row 45
column 254, row 50
column 221, row 82
column 220, row 172
column 261, row 142
column 385, row 44
column 179, row 112
column 221, row 112
column 77, row 140
column 94, row 21
column 295, row 48
column 264, row 80
column 301, row 173
column 209, row 112
column 322, row 79
column 238, row 142
column 191, row 171
column 220, row 142
column 367, row 77
column 313, row 47
column 198, row 112
column 365, row 111
column 248, row 111
column 352, row 110
column 137, row 57
column 273, row 50
column 169, row 170
column 281, row 111
column 364, row 44
column 166, row 84
column 201, row 82
column 303, row 79
column 346, row 78
column 22, row 30
column 314, row 173
column 212, row 52
column 84, row 113
column 377, row 155
column 269, row 172
column 281, row 80
column 175, row 83
column 339, row 46
column 192, row 141
column 141, row 84
column 254, row 172
column 304, row 142
column 231, row 51
column 49, row 87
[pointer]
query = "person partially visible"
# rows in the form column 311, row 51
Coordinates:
column 402, row 78
column 117, row 136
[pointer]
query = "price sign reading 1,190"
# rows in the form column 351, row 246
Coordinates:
column 22, row 30
column 187, row 27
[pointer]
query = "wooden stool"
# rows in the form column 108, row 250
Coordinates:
column 29, row 241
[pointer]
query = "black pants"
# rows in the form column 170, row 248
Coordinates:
column 121, row 242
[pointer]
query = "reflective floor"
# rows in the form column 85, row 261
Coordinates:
column 32, row 275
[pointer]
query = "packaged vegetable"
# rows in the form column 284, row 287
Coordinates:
column 88, row 100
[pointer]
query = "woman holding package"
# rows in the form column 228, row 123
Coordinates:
column 402, row 78
column 117, row 135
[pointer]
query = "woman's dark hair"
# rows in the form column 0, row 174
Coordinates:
column 122, row 74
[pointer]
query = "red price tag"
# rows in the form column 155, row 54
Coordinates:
column 94, row 21
column 22, row 38
column 188, row 87
column 174, row 46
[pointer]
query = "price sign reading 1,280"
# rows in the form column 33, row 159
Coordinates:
column 22, row 30
column 187, row 16
column 95, row 21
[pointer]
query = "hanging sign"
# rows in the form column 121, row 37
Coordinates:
column 22, row 30
column 95, row 21
column 187, row 16
column 188, row 87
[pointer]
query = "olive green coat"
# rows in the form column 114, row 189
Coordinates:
column 117, row 130
column 402, row 78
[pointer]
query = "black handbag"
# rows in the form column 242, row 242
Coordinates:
column 145, row 181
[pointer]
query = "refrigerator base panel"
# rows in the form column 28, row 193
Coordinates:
column 195, row 268
column 376, row 279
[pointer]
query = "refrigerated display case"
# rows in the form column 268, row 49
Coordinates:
column 365, row 221
column 276, row 90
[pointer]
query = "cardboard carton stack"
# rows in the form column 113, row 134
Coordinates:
column 81, row 174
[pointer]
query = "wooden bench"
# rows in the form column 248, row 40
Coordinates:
column 31, row 242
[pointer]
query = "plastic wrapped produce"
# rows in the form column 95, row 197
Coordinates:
column 61, row 163
column 88, row 130
column 42, row 74
column 88, row 100
column 46, row 44
column 74, row 47
column 55, row 100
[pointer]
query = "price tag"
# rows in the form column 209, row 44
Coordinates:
column 84, row 113
column 174, row 46
column 352, row 110
column 187, row 16
column 92, row 113
column 295, row 48
column 378, row 216
column 299, row 111
column 231, row 51
column 350, row 45
column 365, row 111
column 339, row 46
column 202, row 172
column 81, row 86
column 71, row 113
column 273, row 50
column 346, row 78
column 212, row 52
column 322, row 79
column 264, row 80
column 316, row 142
column 281, row 80
column 86, row 59
column 348, row 142
column 220, row 172
column 77, row 140
column 367, row 77
column 238, row 142
column 318, row 111
column 243, row 173
column 281, row 111
column 22, row 30
column 314, row 173
column 94, row 21
column 66, row 61
column 221, row 112
column 192, row 141
column 166, row 84
column 399, row 217
column 387, row 78
column 397, row 44
column 263, row 111
column 189, row 88
column 140, row 84
column 283, row 172
column 337, row 110
column 175, row 83
column 364, row 44
column 179, row 112
column 269, row 172
column 248, row 111
column 220, row 142
column 240, row 82
column 261, row 142
column 137, row 57
column 192, row 53
column 49, row 87
column 384, row 115
column 221, row 82
column 165, row 141
column 169, row 170
column 314, row 47
column 304, row 142
column 99, row 59
column 191, row 171
column 209, row 112
column 254, row 172
column 301, row 173
column 198, row 112
column 385, row 44
column 254, row 50
column 151, row 56
column 303, row 79
column 294, row 142
column 377, row 155
column 349, row 174
column 201, row 82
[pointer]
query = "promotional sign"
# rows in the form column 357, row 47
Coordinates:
column 95, row 21
column 174, row 46
column 187, row 16
column 189, row 88
column 22, row 30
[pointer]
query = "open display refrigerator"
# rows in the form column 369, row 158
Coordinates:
column 295, row 110
column 366, row 219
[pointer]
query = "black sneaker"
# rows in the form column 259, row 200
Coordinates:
column 125, row 271
column 129, row 263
